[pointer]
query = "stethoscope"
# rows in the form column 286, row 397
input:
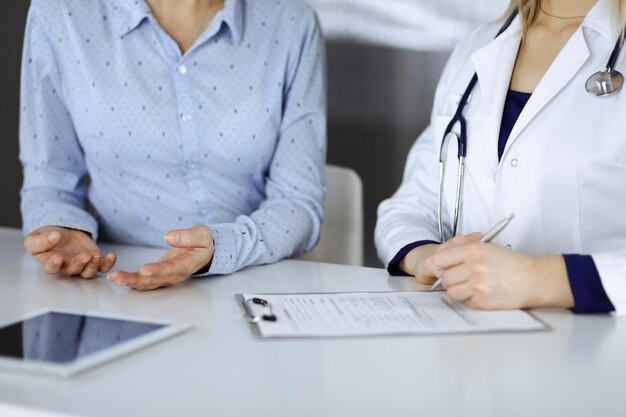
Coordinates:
column 602, row 83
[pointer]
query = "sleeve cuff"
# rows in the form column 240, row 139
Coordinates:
column 225, row 238
column 394, row 265
column 84, row 223
column 587, row 289
column 203, row 271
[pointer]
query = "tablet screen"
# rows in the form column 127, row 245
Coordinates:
column 60, row 338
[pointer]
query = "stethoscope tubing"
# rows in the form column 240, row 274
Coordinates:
column 461, row 146
column 615, row 53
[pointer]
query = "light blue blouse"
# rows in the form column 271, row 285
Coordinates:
column 125, row 138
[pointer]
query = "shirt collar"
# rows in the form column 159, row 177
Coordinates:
column 232, row 15
column 128, row 15
column 603, row 19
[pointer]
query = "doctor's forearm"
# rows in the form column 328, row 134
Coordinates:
column 549, row 285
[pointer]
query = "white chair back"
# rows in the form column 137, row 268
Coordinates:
column 341, row 240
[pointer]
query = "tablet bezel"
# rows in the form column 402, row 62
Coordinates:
column 98, row 358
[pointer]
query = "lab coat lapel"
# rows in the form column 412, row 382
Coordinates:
column 569, row 61
column 494, row 65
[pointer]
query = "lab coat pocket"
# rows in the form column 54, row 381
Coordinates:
column 601, row 191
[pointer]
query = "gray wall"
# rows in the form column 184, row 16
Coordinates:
column 12, row 21
column 379, row 100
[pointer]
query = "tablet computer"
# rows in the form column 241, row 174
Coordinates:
column 64, row 343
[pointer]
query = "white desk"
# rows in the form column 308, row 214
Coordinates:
column 220, row 369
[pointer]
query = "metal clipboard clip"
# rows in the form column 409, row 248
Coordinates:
column 254, row 319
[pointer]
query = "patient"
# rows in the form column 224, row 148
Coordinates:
column 204, row 119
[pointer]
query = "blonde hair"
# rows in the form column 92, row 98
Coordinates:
column 529, row 9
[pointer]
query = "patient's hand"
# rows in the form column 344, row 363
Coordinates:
column 192, row 250
column 67, row 252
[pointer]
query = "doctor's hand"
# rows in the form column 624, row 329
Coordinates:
column 414, row 262
column 67, row 252
column 192, row 250
column 488, row 276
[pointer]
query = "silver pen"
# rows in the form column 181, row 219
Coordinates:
column 493, row 232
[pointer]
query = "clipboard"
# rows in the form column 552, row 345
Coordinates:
column 387, row 313
column 249, row 314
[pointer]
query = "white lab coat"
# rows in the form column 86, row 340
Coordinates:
column 563, row 171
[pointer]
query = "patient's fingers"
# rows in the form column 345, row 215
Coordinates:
column 167, row 268
column 144, row 283
column 91, row 269
column 197, row 237
column 76, row 264
column 53, row 263
column 107, row 263
column 37, row 243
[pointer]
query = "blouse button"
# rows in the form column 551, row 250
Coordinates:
column 182, row 69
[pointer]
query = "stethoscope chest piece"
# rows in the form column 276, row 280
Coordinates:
column 604, row 83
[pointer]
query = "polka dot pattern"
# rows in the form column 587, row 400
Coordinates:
column 232, row 134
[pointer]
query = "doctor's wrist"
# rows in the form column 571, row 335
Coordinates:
column 551, row 286
column 413, row 261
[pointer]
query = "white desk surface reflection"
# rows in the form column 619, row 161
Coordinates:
column 220, row 368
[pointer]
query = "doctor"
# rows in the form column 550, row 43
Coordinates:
column 540, row 146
